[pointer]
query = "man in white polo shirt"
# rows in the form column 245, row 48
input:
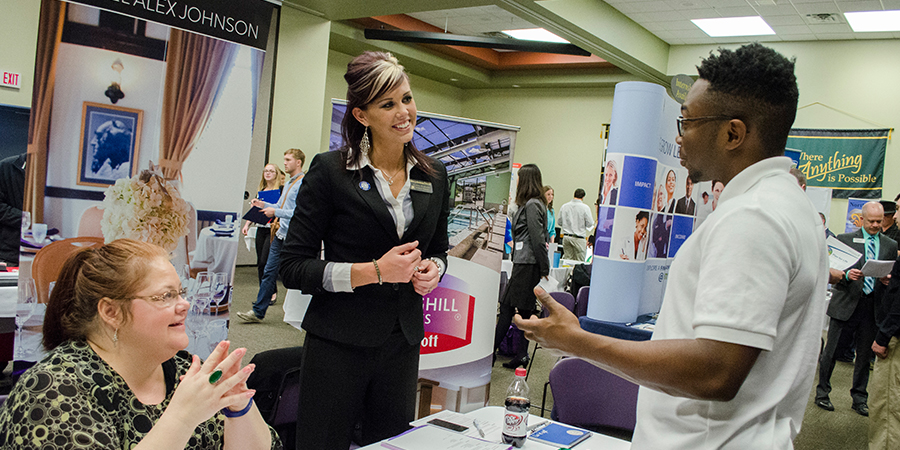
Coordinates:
column 733, row 356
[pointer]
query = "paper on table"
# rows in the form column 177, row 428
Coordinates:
column 876, row 268
column 491, row 429
column 841, row 255
column 437, row 438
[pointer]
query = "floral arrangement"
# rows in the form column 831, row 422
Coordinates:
column 145, row 207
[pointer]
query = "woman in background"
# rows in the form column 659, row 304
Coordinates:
column 272, row 179
column 529, row 257
column 551, row 217
column 380, row 208
column 116, row 376
column 670, row 191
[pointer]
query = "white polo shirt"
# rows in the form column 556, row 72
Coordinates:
column 754, row 274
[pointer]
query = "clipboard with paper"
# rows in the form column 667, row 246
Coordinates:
column 840, row 255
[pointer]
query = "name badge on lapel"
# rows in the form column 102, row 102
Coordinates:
column 420, row 186
column 859, row 241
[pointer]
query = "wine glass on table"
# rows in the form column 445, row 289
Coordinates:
column 220, row 287
column 39, row 233
column 24, row 310
column 204, row 290
column 26, row 222
column 196, row 323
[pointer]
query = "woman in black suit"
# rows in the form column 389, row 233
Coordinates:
column 529, row 256
column 380, row 208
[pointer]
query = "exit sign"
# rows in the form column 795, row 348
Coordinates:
column 11, row 79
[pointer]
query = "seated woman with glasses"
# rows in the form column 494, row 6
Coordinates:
column 116, row 376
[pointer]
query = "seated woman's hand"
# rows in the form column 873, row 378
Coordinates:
column 399, row 264
column 197, row 399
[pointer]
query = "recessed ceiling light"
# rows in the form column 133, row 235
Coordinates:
column 734, row 26
column 864, row 21
column 535, row 34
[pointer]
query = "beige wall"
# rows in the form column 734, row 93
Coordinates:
column 560, row 132
column 19, row 22
column 299, row 95
column 858, row 77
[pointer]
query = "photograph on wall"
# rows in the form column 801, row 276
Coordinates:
column 110, row 143
column 630, row 237
column 138, row 109
column 609, row 182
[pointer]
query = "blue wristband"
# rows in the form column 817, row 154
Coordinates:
column 232, row 414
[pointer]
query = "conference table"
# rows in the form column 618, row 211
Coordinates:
column 491, row 419
column 216, row 253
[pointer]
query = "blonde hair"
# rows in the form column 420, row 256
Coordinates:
column 279, row 178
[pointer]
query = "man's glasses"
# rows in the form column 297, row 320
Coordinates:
column 165, row 299
column 681, row 120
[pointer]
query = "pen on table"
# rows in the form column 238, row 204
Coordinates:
column 531, row 428
column 478, row 427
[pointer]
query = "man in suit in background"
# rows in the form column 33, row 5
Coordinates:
column 686, row 205
column 853, row 307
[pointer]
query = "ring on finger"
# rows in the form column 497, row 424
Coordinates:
column 215, row 376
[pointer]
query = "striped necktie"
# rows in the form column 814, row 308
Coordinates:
column 869, row 282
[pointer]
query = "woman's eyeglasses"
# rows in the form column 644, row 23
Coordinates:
column 165, row 299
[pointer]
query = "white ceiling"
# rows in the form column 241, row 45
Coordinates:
column 670, row 20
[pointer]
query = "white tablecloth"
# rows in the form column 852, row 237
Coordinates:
column 494, row 415
column 216, row 253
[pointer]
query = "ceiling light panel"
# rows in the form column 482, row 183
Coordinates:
column 734, row 26
column 871, row 21
column 535, row 34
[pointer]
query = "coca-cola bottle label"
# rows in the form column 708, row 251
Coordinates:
column 515, row 424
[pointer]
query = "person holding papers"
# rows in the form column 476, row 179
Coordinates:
column 852, row 308
column 269, row 187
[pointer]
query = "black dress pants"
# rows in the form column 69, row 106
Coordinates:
column 863, row 320
column 342, row 385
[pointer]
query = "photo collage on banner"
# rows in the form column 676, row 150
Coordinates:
column 139, row 108
column 459, row 314
column 647, row 205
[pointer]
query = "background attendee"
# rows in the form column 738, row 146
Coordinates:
column 282, row 212
column 889, row 224
column 380, row 207
column 551, row 218
column 116, row 374
column 732, row 357
column 884, row 425
column 12, row 191
column 852, row 309
column 576, row 223
column 717, row 188
column 529, row 258
column 686, row 204
column 272, row 179
column 801, row 178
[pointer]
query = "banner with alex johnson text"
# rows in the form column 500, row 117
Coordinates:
column 851, row 162
column 647, row 205
column 132, row 100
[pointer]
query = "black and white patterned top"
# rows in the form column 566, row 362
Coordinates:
column 74, row 399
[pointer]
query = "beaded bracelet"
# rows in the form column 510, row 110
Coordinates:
column 378, row 272
column 232, row 414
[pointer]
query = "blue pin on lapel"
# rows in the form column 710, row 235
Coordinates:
column 364, row 185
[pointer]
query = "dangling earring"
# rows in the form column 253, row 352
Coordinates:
column 116, row 338
column 364, row 144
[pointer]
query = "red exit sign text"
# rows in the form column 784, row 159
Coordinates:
column 11, row 79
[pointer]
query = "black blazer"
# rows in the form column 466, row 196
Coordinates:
column 845, row 293
column 335, row 208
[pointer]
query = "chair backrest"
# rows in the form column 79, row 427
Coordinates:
column 288, row 400
column 563, row 298
column 581, row 301
column 89, row 225
column 587, row 396
column 49, row 260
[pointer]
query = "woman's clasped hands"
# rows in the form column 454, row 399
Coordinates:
column 404, row 264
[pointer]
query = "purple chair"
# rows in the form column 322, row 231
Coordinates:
column 587, row 396
column 581, row 301
column 563, row 298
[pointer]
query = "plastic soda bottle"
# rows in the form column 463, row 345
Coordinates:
column 515, row 422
